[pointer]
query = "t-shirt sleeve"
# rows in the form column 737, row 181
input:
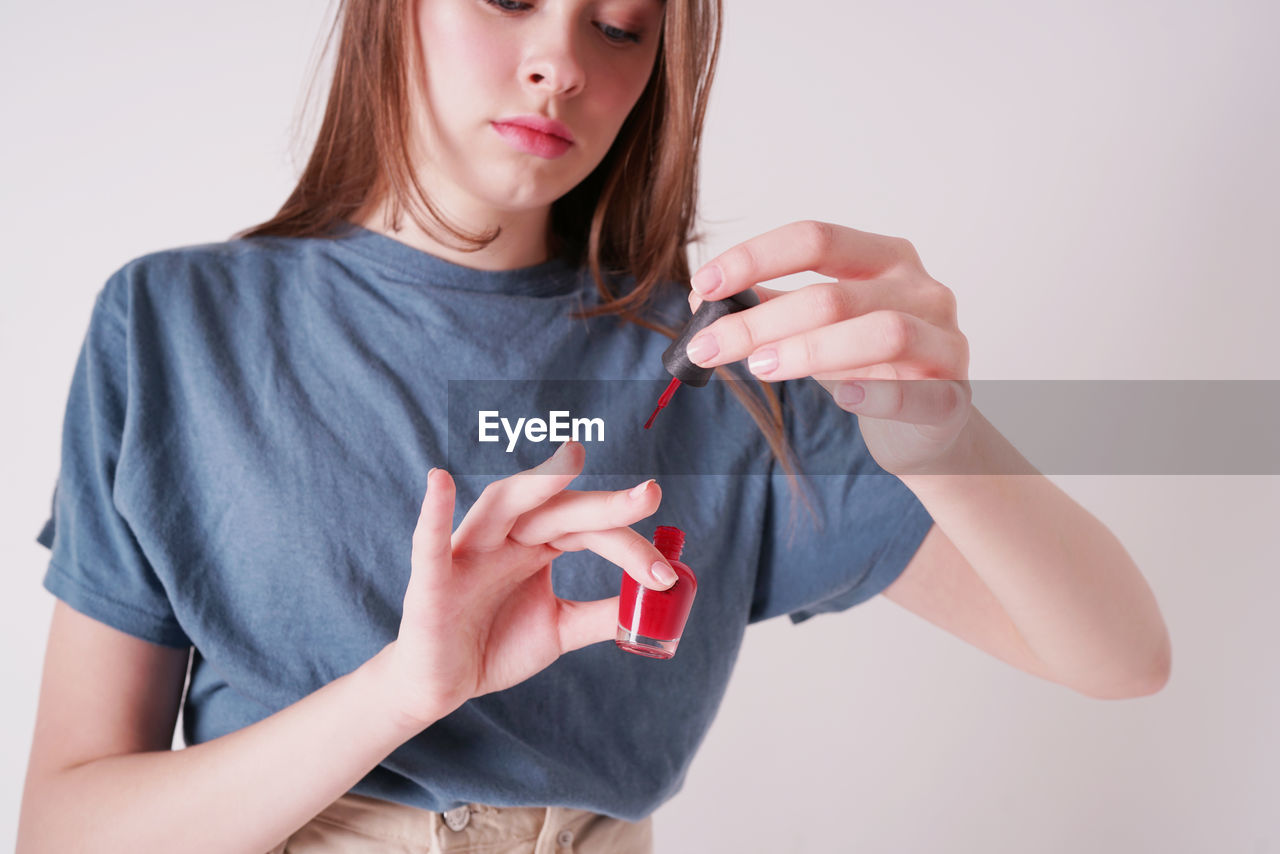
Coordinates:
column 96, row 564
column 868, row 523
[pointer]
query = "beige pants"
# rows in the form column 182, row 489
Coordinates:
column 355, row 824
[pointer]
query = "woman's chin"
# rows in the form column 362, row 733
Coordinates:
column 525, row 200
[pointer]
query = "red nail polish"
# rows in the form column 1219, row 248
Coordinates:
column 650, row 622
column 676, row 357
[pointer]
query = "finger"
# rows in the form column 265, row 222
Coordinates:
column 502, row 502
column 625, row 548
column 432, row 555
column 764, row 293
column 582, row 623
column 817, row 247
column 736, row 336
column 935, row 402
column 889, row 337
column 572, row 511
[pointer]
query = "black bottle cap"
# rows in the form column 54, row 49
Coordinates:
column 674, row 358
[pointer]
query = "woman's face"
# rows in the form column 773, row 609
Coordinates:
column 582, row 63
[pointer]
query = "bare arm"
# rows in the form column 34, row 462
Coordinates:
column 1028, row 574
column 101, row 774
column 479, row 616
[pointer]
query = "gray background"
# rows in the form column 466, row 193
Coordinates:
column 1098, row 183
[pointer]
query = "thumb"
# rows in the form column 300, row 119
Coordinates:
column 583, row 623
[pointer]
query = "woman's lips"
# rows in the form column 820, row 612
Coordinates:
column 532, row 141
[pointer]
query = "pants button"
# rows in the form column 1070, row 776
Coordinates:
column 564, row 838
column 458, row 817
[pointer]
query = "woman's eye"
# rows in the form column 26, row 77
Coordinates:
column 616, row 35
column 613, row 34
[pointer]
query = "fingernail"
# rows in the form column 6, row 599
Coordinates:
column 763, row 362
column 707, row 280
column 638, row 489
column 663, row 574
column 702, row 348
column 850, row 394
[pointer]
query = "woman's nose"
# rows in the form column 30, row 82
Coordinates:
column 554, row 65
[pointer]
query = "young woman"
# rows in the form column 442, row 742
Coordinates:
column 504, row 190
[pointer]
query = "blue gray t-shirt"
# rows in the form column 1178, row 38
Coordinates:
column 244, row 457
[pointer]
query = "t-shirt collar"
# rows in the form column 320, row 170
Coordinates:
column 550, row 278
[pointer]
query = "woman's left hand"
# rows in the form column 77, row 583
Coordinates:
column 883, row 320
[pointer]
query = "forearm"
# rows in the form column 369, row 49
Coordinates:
column 243, row 792
column 1067, row 583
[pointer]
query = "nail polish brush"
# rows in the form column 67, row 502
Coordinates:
column 677, row 362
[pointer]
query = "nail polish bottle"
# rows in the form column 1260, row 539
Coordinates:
column 650, row 622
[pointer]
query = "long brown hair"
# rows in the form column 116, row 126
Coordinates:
column 633, row 215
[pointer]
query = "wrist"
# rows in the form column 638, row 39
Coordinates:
column 409, row 714
column 979, row 449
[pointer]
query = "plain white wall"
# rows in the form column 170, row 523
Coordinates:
column 1097, row 181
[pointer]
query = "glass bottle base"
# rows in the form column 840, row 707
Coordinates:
column 641, row 645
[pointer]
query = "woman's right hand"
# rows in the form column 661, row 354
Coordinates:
column 479, row 611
